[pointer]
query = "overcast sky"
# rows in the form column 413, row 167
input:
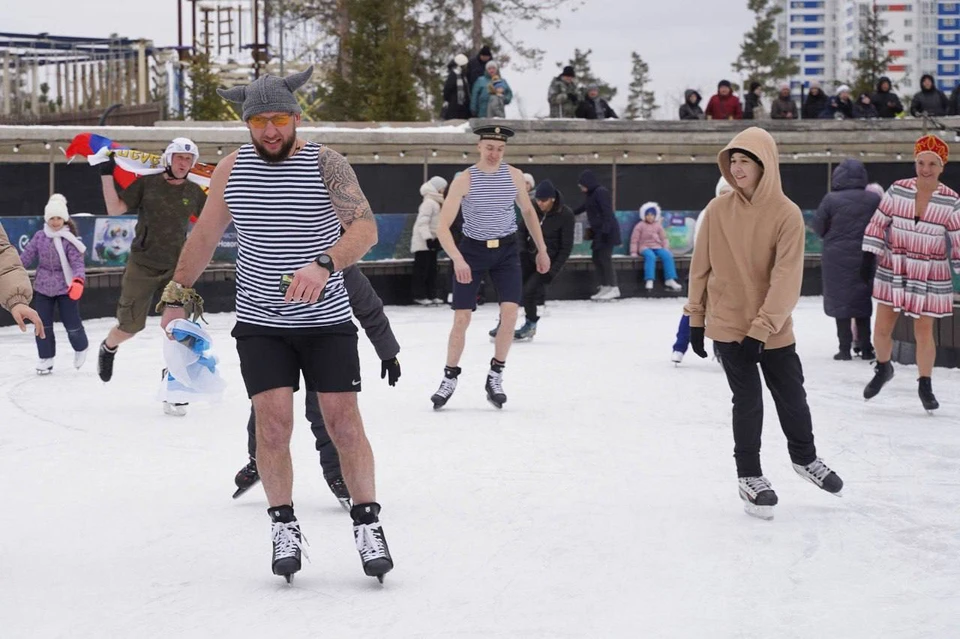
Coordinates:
column 689, row 43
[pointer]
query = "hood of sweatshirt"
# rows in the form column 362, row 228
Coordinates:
column 761, row 144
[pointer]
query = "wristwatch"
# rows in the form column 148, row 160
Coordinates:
column 326, row 262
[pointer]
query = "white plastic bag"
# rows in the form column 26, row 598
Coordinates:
column 191, row 366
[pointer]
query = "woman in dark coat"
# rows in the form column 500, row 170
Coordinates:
column 841, row 221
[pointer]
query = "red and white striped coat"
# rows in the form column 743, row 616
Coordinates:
column 913, row 265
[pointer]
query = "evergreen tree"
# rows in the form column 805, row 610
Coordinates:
column 873, row 60
column 641, row 104
column 203, row 102
column 760, row 57
column 381, row 85
column 585, row 76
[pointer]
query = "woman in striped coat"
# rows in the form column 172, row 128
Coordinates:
column 913, row 237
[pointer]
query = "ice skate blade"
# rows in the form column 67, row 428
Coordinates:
column 345, row 504
column 495, row 403
column 240, row 491
column 44, row 373
column 760, row 512
column 289, row 579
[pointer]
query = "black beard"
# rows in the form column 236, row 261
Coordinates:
column 279, row 156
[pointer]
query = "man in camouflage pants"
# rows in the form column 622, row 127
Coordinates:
column 165, row 202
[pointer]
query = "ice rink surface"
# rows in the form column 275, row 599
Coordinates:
column 600, row 502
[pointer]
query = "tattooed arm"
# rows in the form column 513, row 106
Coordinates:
column 351, row 206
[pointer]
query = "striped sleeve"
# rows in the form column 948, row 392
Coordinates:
column 875, row 237
column 953, row 233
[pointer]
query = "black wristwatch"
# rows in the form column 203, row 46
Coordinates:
column 326, row 262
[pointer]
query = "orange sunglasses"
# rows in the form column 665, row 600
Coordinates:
column 260, row 121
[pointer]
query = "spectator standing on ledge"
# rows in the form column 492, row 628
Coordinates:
column 724, row 105
column 929, row 100
column 887, row 102
column 690, row 109
column 456, row 90
column 563, row 95
column 478, row 65
column 784, row 108
column 752, row 103
column 840, row 106
column 815, row 102
column 841, row 220
column 593, row 107
column 490, row 88
column 604, row 233
column 864, row 109
column 59, row 281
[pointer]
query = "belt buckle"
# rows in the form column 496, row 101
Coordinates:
column 492, row 244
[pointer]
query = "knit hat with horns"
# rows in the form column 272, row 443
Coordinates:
column 268, row 93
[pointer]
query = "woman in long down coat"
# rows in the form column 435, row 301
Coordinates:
column 841, row 221
column 909, row 236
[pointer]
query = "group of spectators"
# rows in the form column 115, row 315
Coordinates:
column 475, row 89
column 882, row 103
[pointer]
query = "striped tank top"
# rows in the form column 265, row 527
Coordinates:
column 488, row 208
column 284, row 220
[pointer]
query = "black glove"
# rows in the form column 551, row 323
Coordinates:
column 390, row 367
column 696, row 341
column 866, row 267
column 573, row 97
column 433, row 244
column 106, row 168
column 751, row 350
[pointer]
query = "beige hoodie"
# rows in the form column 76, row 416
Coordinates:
column 14, row 284
column 748, row 260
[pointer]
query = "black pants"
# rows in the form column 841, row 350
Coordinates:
column 534, row 286
column 845, row 333
column 784, row 376
column 329, row 458
column 603, row 261
column 424, row 275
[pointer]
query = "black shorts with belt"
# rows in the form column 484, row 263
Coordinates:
column 500, row 258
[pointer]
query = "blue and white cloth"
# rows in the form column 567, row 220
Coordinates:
column 191, row 367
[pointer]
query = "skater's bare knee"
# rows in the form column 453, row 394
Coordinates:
column 342, row 416
column 461, row 320
column 508, row 312
column 274, row 416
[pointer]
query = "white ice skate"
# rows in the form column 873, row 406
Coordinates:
column 175, row 410
column 648, row 285
column 45, row 366
column 673, row 285
column 758, row 497
column 423, row 302
column 600, row 293
column 79, row 358
column 676, row 357
column 612, row 293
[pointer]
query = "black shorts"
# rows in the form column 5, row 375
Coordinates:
column 503, row 265
column 274, row 358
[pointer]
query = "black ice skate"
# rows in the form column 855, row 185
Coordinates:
column 867, row 354
column 758, row 497
column 820, row 475
column 494, row 385
column 105, row 362
column 339, row 489
column 371, row 543
column 247, row 477
column 925, row 390
column 287, row 542
column 447, row 386
column 843, row 356
column 494, row 330
column 526, row 332
column 883, row 373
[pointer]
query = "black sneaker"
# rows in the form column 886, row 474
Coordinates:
column 247, row 477
column 925, row 390
column 339, row 489
column 883, row 373
column 371, row 542
column 287, row 542
column 843, row 356
column 105, row 361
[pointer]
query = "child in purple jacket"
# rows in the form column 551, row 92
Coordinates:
column 59, row 281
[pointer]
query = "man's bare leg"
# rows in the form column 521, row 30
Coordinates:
column 116, row 337
column 274, row 409
column 458, row 336
column 341, row 414
column 508, row 322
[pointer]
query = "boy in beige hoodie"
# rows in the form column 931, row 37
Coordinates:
column 744, row 283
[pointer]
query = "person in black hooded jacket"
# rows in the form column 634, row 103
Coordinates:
column 815, row 102
column 456, row 90
column 604, row 232
column 929, row 100
column 478, row 65
column 887, row 102
column 690, row 109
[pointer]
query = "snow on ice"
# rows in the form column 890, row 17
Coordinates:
column 601, row 502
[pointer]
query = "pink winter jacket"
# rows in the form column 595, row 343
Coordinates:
column 647, row 236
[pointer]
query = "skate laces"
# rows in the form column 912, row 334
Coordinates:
column 756, row 484
column 288, row 540
column 370, row 541
column 495, row 381
column 817, row 469
column 447, row 386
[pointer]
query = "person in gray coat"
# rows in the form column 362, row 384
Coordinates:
column 841, row 220
column 368, row 309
